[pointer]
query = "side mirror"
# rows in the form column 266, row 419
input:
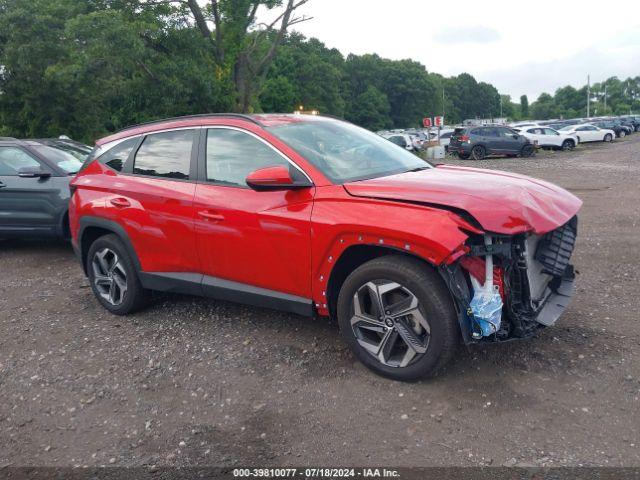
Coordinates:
column 33, row 172
column 274, row 178
column 516, row 136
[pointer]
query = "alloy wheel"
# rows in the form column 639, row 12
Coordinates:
column 109, row 276
column 477, row 153
column 389, row 324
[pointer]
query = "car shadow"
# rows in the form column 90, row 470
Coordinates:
column 22, row 245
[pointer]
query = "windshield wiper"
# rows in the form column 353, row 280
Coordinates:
column 417, row 169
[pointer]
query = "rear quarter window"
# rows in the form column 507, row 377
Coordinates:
column 117, row 156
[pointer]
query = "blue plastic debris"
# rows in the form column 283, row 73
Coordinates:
column 486, row 308
column 486, row 305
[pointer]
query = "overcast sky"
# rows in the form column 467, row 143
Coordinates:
column 522, row 47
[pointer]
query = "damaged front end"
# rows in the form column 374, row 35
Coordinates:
column 508, row 287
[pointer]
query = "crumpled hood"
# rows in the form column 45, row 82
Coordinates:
column 501, row 202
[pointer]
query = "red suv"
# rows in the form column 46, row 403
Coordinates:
column 316, row 216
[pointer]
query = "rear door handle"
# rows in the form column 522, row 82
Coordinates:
column 209, row 215
column 2, row 185
column 120, row 202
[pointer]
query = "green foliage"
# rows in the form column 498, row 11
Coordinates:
column 622, row 97
column 371, row 108
column 524, row 106
column 85, row 68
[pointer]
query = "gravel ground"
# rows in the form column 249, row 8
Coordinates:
column 195, row 382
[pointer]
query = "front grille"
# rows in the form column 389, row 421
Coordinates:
column 555, row 248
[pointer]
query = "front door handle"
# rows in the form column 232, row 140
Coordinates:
column 2, row 185
column 120, row 202
column 209, row 215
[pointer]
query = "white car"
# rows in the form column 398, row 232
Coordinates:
column 589, row 133
column 549, row 137
column 401, row 139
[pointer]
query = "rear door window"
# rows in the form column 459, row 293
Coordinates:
column 165, row 154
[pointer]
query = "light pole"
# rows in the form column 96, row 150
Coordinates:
column 588, row 96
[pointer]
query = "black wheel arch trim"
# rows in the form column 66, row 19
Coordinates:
column 109, row 225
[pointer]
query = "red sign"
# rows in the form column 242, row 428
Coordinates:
column 438, row 121
column 426, row 122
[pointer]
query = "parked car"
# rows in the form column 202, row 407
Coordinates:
column 34, row 187
column 319, row 217
column 403, row 140
column 589, row 133
column 620, row 130
column 547, row 137
column 633, row 121
column 479, row 142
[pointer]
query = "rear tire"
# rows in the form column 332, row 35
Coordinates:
column 608, row 138
column 478, row 152
column 526, row 151
column 426, row 317
column 463, row 156
column 113, row 276
column 622, row 134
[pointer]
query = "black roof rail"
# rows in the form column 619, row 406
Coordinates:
column 200, row 115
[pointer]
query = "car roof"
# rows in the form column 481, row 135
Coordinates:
column 234, row 119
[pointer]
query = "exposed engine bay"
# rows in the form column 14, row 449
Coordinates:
column 529, row 273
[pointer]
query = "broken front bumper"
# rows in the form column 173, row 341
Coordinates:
column 558, row 300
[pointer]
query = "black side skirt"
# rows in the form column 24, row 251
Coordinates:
column 218, row 288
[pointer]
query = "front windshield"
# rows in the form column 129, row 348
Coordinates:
column 62, row 157
column 568, row 127
column 344, row 152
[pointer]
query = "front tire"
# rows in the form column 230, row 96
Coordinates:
column 568, row 145
column 608, row 138
column 397, row 316
column 622, row 134
column 113, row 276
column 463, row 156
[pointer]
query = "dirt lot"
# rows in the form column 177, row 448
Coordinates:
column 193, row 382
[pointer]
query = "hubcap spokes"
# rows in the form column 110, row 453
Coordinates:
column 389, row 324
column 109, row 276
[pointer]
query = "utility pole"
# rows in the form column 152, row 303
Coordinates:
column 500, row 106
column 605, row 99
column 443, row 102
column 588, row 96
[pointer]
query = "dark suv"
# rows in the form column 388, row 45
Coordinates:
column 34, row 185
column 479, row 142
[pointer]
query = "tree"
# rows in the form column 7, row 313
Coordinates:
column 314, row 73
column 524, row 106
column 240, row 53
column 544, row 107
column 371, row 109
